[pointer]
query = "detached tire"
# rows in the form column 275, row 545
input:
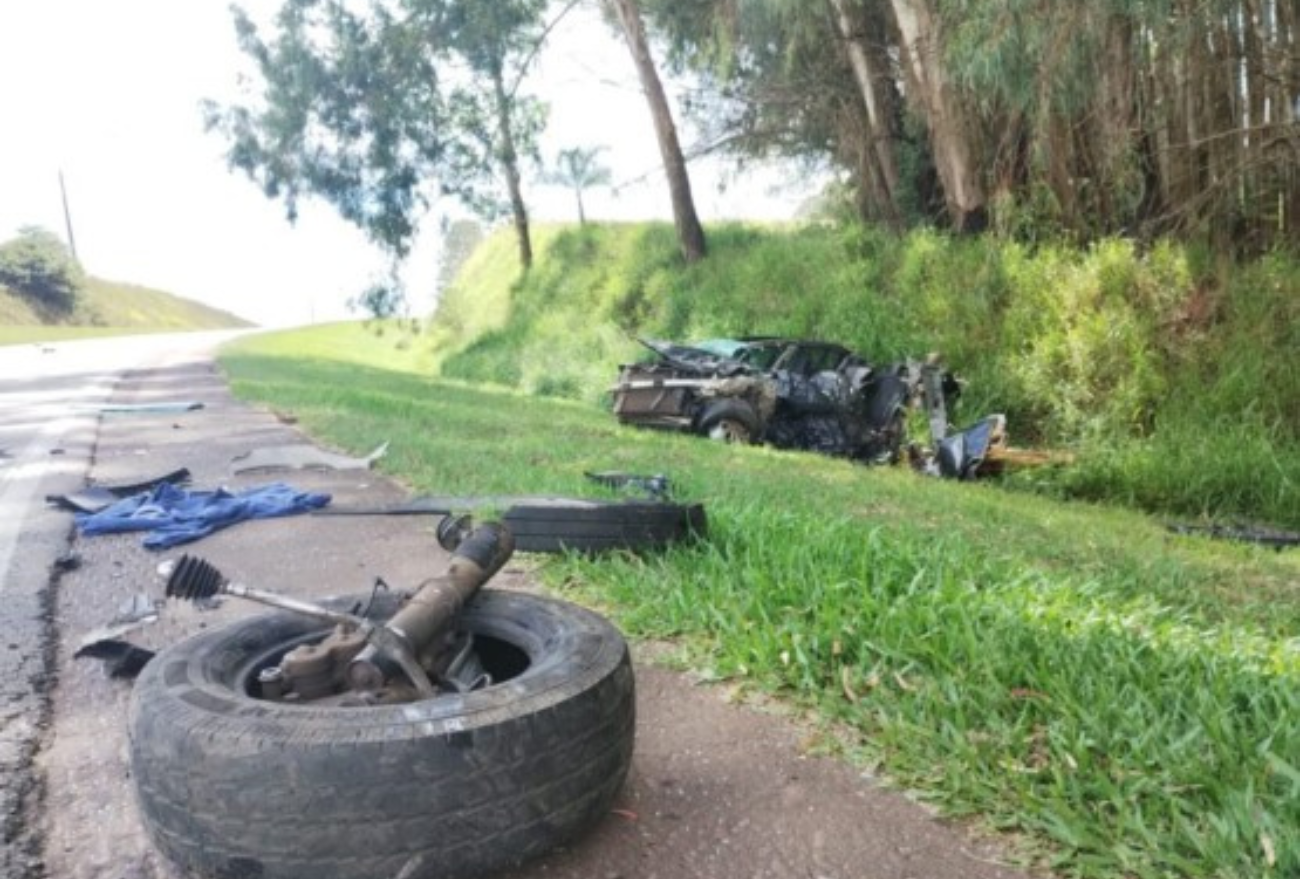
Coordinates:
column 233, row 786
column 729, row 421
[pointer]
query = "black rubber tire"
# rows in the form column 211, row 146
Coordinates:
column 232, row 786
column 730, row 421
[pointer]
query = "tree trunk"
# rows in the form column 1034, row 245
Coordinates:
column 509, row 157
column 881, row 162
column 950, row 133
column 689, row 232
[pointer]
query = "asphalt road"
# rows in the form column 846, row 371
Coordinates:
column 48, row 430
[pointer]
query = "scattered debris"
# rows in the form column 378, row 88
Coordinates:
column 1272, row 537
column 175, row 516
column 302, row 457
column 69, row 561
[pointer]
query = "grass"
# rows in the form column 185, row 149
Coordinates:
column 1121, row 699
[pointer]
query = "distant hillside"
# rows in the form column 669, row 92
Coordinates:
column 115, row 304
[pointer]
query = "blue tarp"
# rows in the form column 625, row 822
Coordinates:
column 176, row 516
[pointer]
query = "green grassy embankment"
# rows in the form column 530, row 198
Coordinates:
column 109, row 308
column 1123, row 700
column 1170, row 373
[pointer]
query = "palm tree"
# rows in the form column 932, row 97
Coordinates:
column 579, row 169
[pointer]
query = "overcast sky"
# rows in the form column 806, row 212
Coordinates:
column 108, row 92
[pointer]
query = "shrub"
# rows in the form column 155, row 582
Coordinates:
column 37, row 266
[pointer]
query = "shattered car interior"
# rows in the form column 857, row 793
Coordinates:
column 792, row 394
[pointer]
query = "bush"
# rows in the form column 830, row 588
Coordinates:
column 37, row 267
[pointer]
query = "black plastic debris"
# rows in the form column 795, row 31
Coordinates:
column 1259, row 536
column 121, row 658
column 94, row 498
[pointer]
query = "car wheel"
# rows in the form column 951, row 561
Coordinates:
column 231, row 785
column 729, row 421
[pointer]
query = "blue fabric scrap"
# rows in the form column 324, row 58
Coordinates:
column 175, row 516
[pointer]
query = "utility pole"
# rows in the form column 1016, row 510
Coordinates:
column 67, row 217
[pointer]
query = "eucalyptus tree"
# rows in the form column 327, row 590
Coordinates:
column 1149, row 116
column 803, row 80
column 579, row 169
column 690, row 234
column 379, row 107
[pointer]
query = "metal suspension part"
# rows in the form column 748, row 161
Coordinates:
column 411, row 632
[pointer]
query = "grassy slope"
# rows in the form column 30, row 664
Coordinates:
column 110, row 306
column 1171, row 375
column 1124, row 697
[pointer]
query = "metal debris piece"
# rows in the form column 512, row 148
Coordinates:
column 302, row 457
column 362, row 658
column 656, row 487
column 161, row 407
column 138, row 608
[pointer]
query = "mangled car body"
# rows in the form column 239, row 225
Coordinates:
column 795, row 394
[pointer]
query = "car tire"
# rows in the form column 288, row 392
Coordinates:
column 729, row 421
column 234, row 786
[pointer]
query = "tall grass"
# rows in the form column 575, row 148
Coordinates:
column 1124, row 699
column 1171, row 375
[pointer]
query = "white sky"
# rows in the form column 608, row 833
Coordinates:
column 109, row 93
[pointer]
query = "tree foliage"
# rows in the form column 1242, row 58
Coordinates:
column 1138, row 117
column 37, row 266
column 380, row 107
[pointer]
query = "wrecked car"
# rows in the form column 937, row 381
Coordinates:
column 793, row 394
